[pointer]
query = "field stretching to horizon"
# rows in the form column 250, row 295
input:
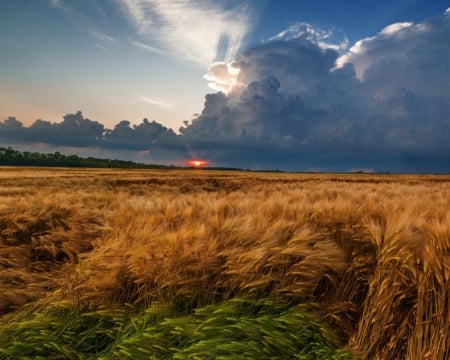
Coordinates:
column 196, row 264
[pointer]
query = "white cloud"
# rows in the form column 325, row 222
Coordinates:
column 356, row 51
column 156, row 102
column 395, row 28
column 101, row 36
column 147, row 47
column 223, row 76
column 394, row 41
column 326, row 39
column 194, row 30
column 138, row 12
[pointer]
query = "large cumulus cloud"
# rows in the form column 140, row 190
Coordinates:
column 298, row 104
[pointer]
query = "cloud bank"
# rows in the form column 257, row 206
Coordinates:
column 292, row 103
column 77, row 131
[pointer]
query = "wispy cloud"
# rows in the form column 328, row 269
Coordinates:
column 138, row 12
column 101, row 47
column 101, row 36
column 56, row 3
column 156, row 102
column 147, row 47
column 83, row 23
column 197, row 31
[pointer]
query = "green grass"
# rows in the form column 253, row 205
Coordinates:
column 234, row 329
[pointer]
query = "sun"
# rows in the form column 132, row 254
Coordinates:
column 197, row 163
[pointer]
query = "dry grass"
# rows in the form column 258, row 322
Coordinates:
column 370, row 252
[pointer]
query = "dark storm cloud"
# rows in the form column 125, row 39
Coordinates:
column 144, row 136
column 77, row 131
column 12, row 129
column 74, row 130
column 296, row 109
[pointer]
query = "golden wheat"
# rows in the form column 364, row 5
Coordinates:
column 370, row 252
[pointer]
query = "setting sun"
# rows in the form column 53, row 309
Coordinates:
column 197, row 163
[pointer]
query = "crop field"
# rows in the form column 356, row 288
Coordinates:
column 181, row 264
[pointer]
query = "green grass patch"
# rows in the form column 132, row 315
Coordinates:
column 234, row 329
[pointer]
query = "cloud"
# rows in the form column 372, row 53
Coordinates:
column 139, row 12
column 395, row 28
column 197, row 31
column 405, row 51
column 56, row 3
column 299, row 65
column 334, row 39
column 84, row 23
column 101, row 47
column 101, row 36
column 77, row 131
column 142, row 137
column 386, row 107
column 156, row 102
column 12, row 129
column 147, row 47
column 74, row 130
column 222, row 76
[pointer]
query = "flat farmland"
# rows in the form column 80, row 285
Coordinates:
column 201, row 264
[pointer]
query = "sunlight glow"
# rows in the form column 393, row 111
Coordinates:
column 197, row 163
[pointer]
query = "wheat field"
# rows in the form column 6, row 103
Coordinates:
column 223, row 265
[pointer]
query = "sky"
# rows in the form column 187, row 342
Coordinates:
column 259, row 84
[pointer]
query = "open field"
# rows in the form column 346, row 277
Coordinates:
column 232, row 265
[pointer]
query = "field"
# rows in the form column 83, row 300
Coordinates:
column 139, row 264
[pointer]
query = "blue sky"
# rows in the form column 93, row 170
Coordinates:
column 128, row 60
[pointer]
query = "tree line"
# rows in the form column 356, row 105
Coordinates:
column 12, row 157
